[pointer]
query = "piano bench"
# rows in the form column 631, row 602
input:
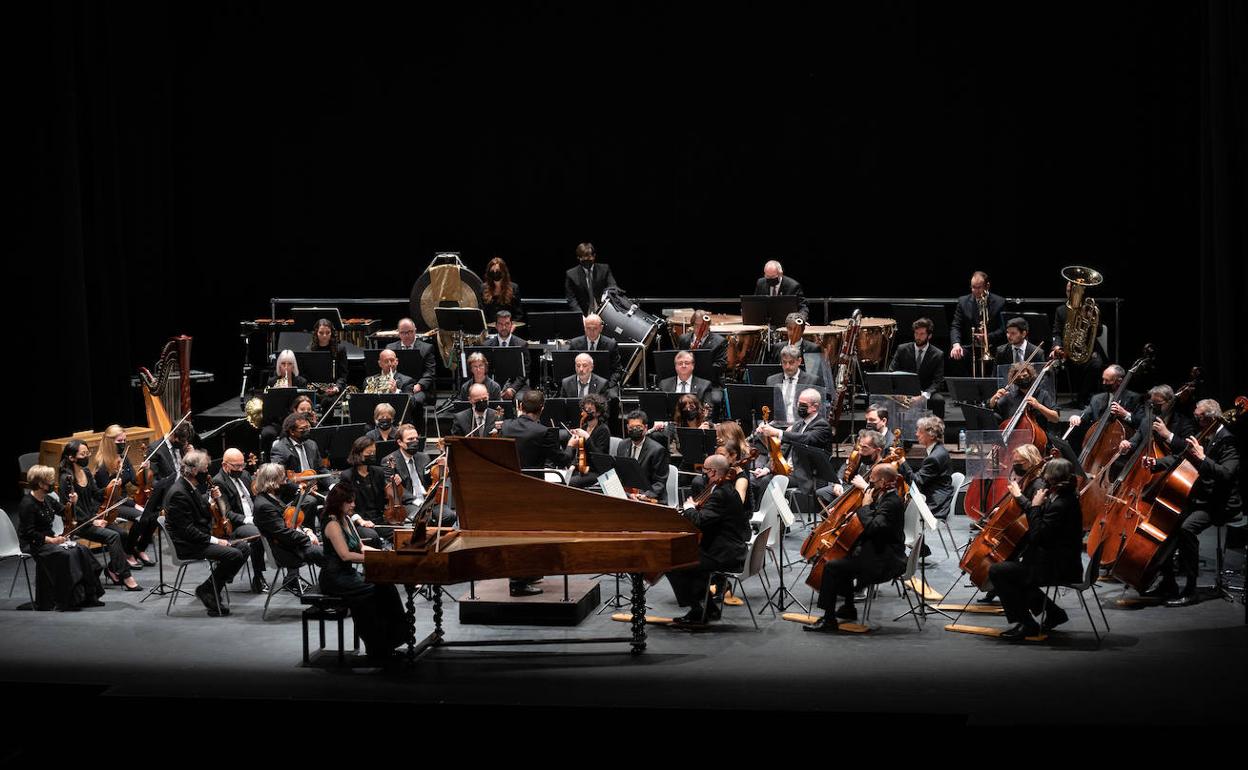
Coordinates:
column 321, row 608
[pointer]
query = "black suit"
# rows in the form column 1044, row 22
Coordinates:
column 290, row 546
column 804, row 380
column 934, row 479
column 428, row 370
column 602, row 343
column 816, row 435
column 725, row 527
column 654, row 461
column 576, row 286
column 787, row 286
column 878, row 555
column 716, row 343
column 699, row 387
column 1051, row 554
column 966, row 318
column 190, row 527
column 931, row 373
column 536, row 445
column 237, row 514
column 493, row 388
column 462, row 424
column 518, row 384
column 570, row 387
column 422, row 461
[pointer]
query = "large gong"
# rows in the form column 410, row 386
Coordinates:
column 446, row 283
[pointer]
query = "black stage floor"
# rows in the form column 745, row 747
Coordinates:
column 1157, row 665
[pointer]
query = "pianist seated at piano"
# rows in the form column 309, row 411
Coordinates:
column 584, row 382
column 593, row 431
column 725, row 527
column 376, row 609
column 479, row 374
column 287, row 373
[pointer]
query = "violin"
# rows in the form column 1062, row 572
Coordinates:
column 396, row 512
column 143, row 480
column 582, row 457
column 222, row 527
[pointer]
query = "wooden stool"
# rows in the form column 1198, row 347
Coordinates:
column 320, row 609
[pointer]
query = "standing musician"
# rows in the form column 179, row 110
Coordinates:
column 110, row 462
column 700, row 337
column 926, row 360
column 1129, row 409
column 288, row 543
column 584, row 382
column 498, row 293
column 791, row 380
column 775, row 283
column 1043, row 405
column 75, row 459
column 287, row 373
column 1051, row 553
column 794, row 325
column 870, row 448
column 584, row 285
column 725, row 528
column 190, row 527
column 383, row 420
column 684, row 380
column 879, row 554
column 966, row 318
column 479, row 374
column 235, row 484
column 298, row 453
column 69, row 567
column 811, row 429
column 1016, row 348
column 505, row 339
column 325, row 340
column 478, row 419
column 650, row 454
column 1214, row 500
column 595, row 435
column 423, row 390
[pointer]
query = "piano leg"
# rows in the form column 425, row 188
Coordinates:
column 639, row 613
column 437, row 615
column 411, row 623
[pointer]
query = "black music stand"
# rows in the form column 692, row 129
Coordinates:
column 412, row 363
column 506, row 408
column 565, row 411
column 335, row 441
column 360, row 406
column 277, row 403
column 757, row 374
column 460, row 321
column 980, row 418
column 506, row 364
column 703, row 364
column 628, row 469
column 316, row 366
column 657, row 405
column 892, row 383
column 371, row 365
column 558, row 325
column 765, row 310
column 306, row 318
column 563, row 363
column 695, row 446
column 972, row 390
column 745, row 403
column 1039, row 328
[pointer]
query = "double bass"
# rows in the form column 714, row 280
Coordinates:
column 1002, row 533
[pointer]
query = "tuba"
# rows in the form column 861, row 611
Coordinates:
column 1083, row 317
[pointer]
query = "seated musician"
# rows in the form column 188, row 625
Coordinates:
column 383, row 420
column 375, row 608
column 1026, row 457
column 650, row 454
column 269, row 516
column 1017, row 348
column 478, row 374
column 422, row 389
column 411, row 466
column 390, row 379
column 478, row 419
column 584, row 382
column 684, row 380
column 1006, row 401
column 794, row 326
column 926, row 360
column 69, row 567
column 1053, row 553
column 870, row 448
column 499, row 293
column 287, row 374
column 725, row 527
column 934, row 477
column 110, row 462
column 593, row 340
column 735, row 451
column 1214, row 500
column 811, row 429
column 700, row 337
column 368, row 480
column 1170, row 425
column 791, row 380
column 775, row 283
column 235, row 484
column 876, row 419
column 165, row 460
column 190, row 527
column 1129, row 409
column 595, row 434
column 967, row 314
column 687, row 413
column 325, row 340
column 75, row 459
column 504, row 338
column 584, row 285
column 878, row 555
column 302, row 404
column 300, row 454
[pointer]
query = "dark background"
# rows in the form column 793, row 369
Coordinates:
column 186, row 162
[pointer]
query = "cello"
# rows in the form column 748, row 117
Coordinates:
column 1014, row 433
column 1002, row 533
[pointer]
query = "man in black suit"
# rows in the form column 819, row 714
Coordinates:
column 478, row 419
column 933, row 478
column 876, row 419
column 685, row 381
column 1170, row 425
column 423, row 390
column 411, row 465
column 700, row 337
column 774, row 283
column 584, row 285
column 288, row 544
column 966, row 318
column 298, row 453
column 794, row 325
column 1017, row 347
column 190, row 527
column 166, row 461
column 390, row 380
column 926, row 360
column 235, row 484
column 870, row 450
column 878, row 555
column 791, row 381
column 584, row 382
column 505, row 339
column 652, row 456
column 810, row 430
column 1129, row 409
column 593, row 340
column 725, row 527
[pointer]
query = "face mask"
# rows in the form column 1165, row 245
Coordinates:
column 480, row 406
column 1110, row 388
column 236, row 474
column 384, row 424
column 1019, row 470
column 83, row 462
column 370, row 459
column 121, row 445
column 689, row 413
column 636, row 433
column 202, row 477
column 773, row 281
column 411, row 447
column 496, row 275
column 585, row 261
column 803, row 410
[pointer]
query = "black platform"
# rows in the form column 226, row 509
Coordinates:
column 494, row 604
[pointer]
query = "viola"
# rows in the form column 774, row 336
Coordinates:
column 143, row 480
column 776, row 462
column 396, row 512
column 222, row 527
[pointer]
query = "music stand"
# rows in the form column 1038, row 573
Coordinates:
column 563, row 363
column 277, row 404
column 695, row 445
column 657, row 405
column 335, row 440
column 745, row 403
column 703, row 364
column 972, row 390
column 360, row 406
column 316, row 366
column 819, row 461
column 979, row 418
column 411, row 363
column 757, row 374
column 306, row 317
column 562, row 410
column 460, row 321
column 558, row 325
column 626, row 468
column 765, row 310
column 506, row 364
column 506, row 408
column 1039, row 328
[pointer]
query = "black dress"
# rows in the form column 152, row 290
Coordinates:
column 89, row 498
column 72, row 571
column 142, row 523
column 491, row 307
column 376, row 607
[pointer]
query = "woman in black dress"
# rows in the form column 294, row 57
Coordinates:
column 287, row 373
column 596, row 435
column 75, row 459
column 109, row 463
column 69, row 567
column 365, row 476
column 325, row 339
column 499, row 293
column 376, row 607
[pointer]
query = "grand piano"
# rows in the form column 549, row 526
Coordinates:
column 512, row 525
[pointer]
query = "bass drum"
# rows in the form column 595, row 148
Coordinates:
column 745, row 345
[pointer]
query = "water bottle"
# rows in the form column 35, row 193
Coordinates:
column 962, row 440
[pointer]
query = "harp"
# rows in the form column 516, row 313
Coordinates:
column 168, row 390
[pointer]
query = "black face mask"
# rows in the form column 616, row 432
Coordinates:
column 370, row 459
column 384, row 424
column 411, row 447
column 773, row 281
column 689, row 413
column 201, row 478
column 480, row 406
column 496, row 275
column 803, row 410
column 1019, row 470
column 82, row 462
column 585, row 261
column 635, row 433
column 235, row 474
